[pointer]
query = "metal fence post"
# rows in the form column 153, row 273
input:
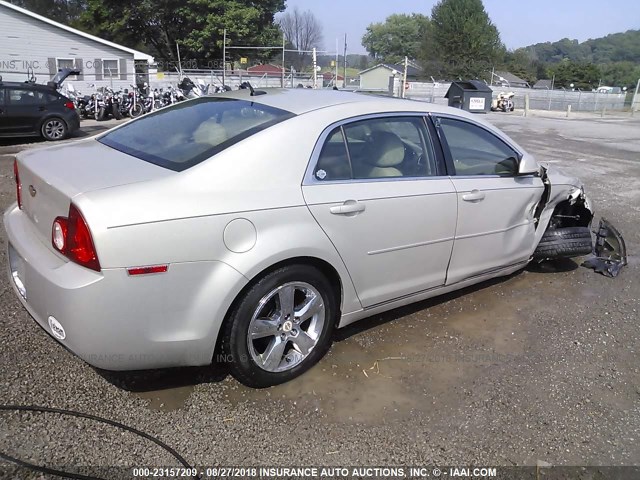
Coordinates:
column 579, row 98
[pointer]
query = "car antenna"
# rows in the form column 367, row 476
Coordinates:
column 254, row 92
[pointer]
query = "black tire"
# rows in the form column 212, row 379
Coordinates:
column 136, row 111
column 115, row 111
column 564, row 243
column 54, row 129
column 101, row 114
column 235, row 346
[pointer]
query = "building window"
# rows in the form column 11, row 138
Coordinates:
column 66, row 63
column 110, row 68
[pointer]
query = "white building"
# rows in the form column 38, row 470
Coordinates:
column 33, row 43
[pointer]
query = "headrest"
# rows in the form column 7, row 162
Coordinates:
column 387, row 150
column 210, row 132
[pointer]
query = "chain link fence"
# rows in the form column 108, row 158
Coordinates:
column 558, row 100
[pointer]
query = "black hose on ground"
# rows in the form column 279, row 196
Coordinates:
column 95, row 418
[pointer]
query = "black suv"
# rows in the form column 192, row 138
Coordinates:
column 30, row 109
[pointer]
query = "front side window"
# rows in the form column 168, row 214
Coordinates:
column 187, row 133
column 476, row 151
column 377, row 148
column 110, row 68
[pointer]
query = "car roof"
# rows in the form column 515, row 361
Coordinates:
column 27, row 85
column 303, row 100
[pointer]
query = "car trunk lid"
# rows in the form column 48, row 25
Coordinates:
column 52, row 177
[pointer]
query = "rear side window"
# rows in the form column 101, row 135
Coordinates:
column 377, row 148
column 188, row 133
column 25, row 97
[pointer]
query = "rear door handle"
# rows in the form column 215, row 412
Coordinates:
column 350, row 207
column 473, row 196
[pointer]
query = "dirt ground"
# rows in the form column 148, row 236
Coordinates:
column 541, row 366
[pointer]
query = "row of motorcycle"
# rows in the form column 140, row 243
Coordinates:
column 107, row 103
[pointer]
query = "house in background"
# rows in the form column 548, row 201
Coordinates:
column 544, row 84
column 31, row 43
column 265, row 69
column 381, row 76
column 509, row 80
column 329, row 79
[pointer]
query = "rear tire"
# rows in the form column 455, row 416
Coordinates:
column 54, row 129
column 115, row 111
column 564, row 243
column 281, row 327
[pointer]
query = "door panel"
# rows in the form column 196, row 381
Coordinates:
column 496, row 225
column 496, row 207
column 24, row 108
column 395, row 236
column 4, row 125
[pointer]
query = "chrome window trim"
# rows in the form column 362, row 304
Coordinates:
column 310, row 179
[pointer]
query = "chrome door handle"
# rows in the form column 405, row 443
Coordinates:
column 473, row 196
column 347, row 208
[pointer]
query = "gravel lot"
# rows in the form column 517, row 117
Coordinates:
column 541, row 366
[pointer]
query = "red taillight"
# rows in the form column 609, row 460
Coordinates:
column 70, row 105
column 16, row 175
column 71, row 237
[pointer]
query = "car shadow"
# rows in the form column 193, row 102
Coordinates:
column 560, row 265
column 400, row 312
column 168, row 378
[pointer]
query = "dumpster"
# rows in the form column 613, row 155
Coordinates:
column 473, row 96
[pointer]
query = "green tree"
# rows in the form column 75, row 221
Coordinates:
column 583, row 75
column 400, row 35
column 63, row 11
column 156, row 26
column 461, row 40
column 621, row 74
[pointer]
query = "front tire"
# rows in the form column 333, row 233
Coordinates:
column 567, row 242
column 54, row 129
column 281, row 327
column 136, row 111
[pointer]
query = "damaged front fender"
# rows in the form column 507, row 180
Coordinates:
column 609, row 252
column 563, row 204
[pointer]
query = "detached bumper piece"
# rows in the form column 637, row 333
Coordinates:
column 609, row 253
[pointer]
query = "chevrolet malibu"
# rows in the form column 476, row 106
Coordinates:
column 248, row 225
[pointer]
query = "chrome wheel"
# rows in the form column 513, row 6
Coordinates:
column 286, row 326
column 54, row 129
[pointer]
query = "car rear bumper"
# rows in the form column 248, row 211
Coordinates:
column 73, row 122
column 115, row 321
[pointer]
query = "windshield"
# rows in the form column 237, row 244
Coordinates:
column 188, row 133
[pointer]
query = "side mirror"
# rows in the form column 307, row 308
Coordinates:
column 527, row 165
column 508, row 167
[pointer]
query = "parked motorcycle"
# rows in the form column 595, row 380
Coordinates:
column 504, row 102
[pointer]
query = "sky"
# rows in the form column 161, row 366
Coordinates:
column 520, row 23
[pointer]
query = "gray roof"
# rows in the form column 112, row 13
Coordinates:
column 412, row 71
column 543, row 84
column 511, row 78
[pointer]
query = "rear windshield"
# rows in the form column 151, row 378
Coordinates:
column 185, row 134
